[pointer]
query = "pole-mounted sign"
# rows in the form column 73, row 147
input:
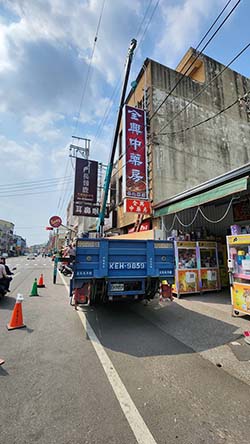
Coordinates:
column 55, row 221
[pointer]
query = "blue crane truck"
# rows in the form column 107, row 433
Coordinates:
column 110, row 269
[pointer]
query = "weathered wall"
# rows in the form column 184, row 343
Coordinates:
column 181, row 161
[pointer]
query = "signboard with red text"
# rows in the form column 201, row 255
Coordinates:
column 135, row 183
column 137, row 206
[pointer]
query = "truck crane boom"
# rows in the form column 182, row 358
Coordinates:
column 107, row 180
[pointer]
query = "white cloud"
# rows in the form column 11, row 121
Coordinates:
column 182, row 27
column 19, row 161
column 43, row 125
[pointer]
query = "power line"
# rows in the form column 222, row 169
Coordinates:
column 198, row 54
column 143, row 19
column 209, row 118
column 89, row 66
column 30, row 182
column 34, row 187
column 29, row 194
column 205, row 35
column 150, row 19
column 115, row 90
column 204, row 88
column 66, row 169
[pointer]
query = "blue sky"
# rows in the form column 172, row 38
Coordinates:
column 45, row 51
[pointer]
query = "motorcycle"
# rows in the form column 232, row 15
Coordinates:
column 66, row 269
column 3, row 290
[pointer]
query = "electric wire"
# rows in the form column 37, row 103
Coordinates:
column 147, row 26
column 206, row 34
column 29, row 194
column 143, row 19
column 116, row 88
column 203, row 89
column 197, row 56
column 33, row 188
column 33, row 182
column 89, row 66
column 65, row 174
column 206, row 120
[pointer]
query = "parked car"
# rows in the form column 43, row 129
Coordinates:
column 30, row 257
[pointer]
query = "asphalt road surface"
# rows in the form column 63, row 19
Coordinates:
column 118, row 374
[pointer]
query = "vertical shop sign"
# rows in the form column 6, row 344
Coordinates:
column 85, row 184
column 135, row 152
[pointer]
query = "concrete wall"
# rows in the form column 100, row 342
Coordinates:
column 181, row 161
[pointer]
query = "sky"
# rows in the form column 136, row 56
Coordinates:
column 61, row 68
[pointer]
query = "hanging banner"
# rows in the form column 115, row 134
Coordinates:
column 85, row 184
column 135, row 183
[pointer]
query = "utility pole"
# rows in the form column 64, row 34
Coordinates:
column 100, row 223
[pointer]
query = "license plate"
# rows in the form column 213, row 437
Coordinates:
column 117, row 287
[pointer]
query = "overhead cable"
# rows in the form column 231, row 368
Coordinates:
column 35, row 182
column 89, row 67
column 203, row 89
column 209, row 118
column 197, row 56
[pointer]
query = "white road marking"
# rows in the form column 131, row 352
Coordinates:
column 135, row 420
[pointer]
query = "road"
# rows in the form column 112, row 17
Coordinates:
column 121, row 374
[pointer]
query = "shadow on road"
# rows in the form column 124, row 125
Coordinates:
column 141, row 331
column 3, row 372
column 7, row 302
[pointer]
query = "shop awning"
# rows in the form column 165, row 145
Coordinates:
column 202, row 198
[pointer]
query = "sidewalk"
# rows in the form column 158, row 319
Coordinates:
column 205, row 324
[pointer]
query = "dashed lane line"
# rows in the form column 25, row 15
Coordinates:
column 135, row 420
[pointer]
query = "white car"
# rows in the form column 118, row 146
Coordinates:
column 30, row 257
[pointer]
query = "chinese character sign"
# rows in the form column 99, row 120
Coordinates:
column 87, row 210
column 85, row 181
column 135, row 148
column 137, row 206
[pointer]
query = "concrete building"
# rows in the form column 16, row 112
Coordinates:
column 181, row 156
column 6, row 236
column 19, row 245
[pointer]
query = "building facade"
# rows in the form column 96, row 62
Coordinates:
column 182, row 151
column 6, row 236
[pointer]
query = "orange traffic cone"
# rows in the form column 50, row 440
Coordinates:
column 17, row 315
column 40, row 282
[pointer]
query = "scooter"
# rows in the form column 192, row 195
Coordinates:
column 67, row 270
column 3, row 291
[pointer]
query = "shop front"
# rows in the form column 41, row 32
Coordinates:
column 199, row 221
